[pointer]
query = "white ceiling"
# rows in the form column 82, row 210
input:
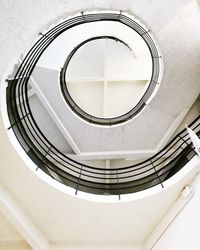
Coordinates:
column 10, row 239
column 61, row 218
column 178, row 90
column 103, row 85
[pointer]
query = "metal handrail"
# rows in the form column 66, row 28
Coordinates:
column 47, row 157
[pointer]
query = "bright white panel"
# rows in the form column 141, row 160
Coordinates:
column 88, row 61
column 122, row 96
column 88, row 96
column 127, row 63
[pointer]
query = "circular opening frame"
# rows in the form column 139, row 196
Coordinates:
column 148, row 94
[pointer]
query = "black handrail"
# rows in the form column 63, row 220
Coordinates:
column 75, row 174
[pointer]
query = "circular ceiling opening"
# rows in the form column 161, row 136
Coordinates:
column 111, row 73
column 106, row 78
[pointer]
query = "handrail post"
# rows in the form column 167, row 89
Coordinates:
column 120, row 13
column 44, row 156
column 17, row 121
column 118, row 186
column 183, row 140
column 82, row 13
column 187, row 144
column 157, row 174
column 78, row 183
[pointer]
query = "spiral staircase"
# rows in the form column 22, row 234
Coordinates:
column 141, row 156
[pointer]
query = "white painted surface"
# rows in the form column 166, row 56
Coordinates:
column 10, row 239
column 103, row 246
column 15, row 246
column 89, row 96
column 55, row 120
column 158, row 116
column 54, row 58
column 183, row 232
column 57, row 215
column 74, row 220
column 193, row 112
column 105, row 78
column 21, row 222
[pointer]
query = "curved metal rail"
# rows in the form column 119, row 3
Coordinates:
column 142, row 102
column 72, row 173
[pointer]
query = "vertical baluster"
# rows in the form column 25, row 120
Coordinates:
column 17, row 121
column 78, row 183
column 118, row 186
column 187, row 143
column 157, row 174
column 183, row 140
column 44, row 157
column 83, row 16
column 120, row 13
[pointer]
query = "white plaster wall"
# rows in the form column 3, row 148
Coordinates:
column 17, row 34
column 10, row 239
column 191, row 115
column 23, row 20
column 15, row 247
column 17, row 22
column 183, row 233
column 85, row 246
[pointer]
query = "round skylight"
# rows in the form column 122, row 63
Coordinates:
column 106, row 78
column 112, row 71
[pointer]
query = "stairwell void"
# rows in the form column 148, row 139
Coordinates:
column 34, row 132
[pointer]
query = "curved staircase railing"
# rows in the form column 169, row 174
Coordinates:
column 77, row 175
